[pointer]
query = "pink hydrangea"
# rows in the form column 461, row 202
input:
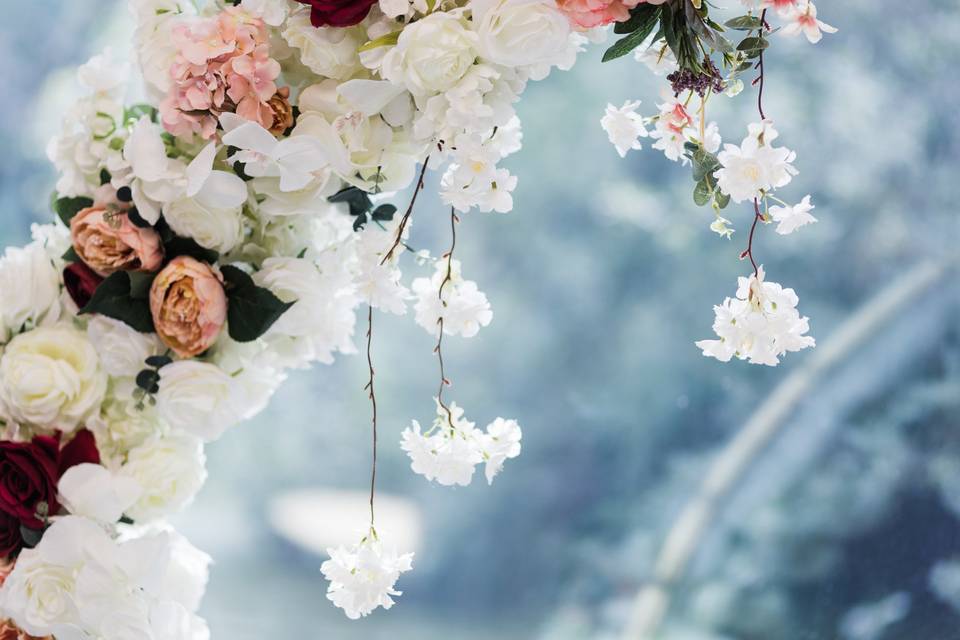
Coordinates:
column 587, row 14
column 223, row 63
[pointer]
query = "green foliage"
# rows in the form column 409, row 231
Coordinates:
column 122, row 297
column 66, row 208
column 251, row 309
column 361, row 207
column 643, row 19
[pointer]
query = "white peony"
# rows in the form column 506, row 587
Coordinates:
column 213, row 228
column 93, row 491
column 362, row 577
column 197, row 397
column 518, row 33
column 122, row 350
column 169, row 470
column 29, row 289
column 431, row 54
column 51, row 378
column 330, row 52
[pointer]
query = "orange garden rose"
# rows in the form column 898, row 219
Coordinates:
column 188, row 305
column 10, row 631
column 107, row 241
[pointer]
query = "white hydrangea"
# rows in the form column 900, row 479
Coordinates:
column 624, row 127
column 760, row 325
column 756, row 165
column 464, row 308
column 363, row 576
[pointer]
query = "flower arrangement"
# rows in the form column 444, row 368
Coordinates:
column 229, row 229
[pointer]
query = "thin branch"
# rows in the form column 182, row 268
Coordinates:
column 406, row 216
column 763, row 24
column 373, row 403
column 444, row 382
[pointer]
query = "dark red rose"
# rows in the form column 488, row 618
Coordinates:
column 80, row 281
column 82, row 448
column 28, row 476
column 10, row 539
column 338, row 13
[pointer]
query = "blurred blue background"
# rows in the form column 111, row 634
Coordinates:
column 835, row 511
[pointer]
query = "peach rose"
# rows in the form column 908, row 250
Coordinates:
column 107, row 241
column 188, row 305
column 587, row 14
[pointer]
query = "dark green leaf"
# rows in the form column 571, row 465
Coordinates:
column 158, row 362
column 357, row 199
column 753, row 44
column 384, row 212
column 140, row 284
column 134, row 215
column 31, row 537
column 625, row 45
column 702, row 193
column 149, row 380
column 70, row 255
column 178, row 246
column 638, row 16
column 66, row 208
column 744, row 23
column 721, row 198
column 113, row 299
column 251, row 309
column 703, row 164
column 105, row 177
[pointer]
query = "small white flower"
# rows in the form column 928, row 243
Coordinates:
column 671, row 129
column 500, row 443
column 624, row 127
column 658, row 57
column 756, row 165
column 464, row 308
column 363, row 577
column 759, row 325
column 803, row 19
column 791, row 218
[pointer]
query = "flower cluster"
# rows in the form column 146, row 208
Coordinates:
column 229, row 228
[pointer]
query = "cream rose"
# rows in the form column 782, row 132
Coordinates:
column 432, row 54
column 217, row 229
column 516, row 33
column 51, row 378
column 197, row 397
column 122, row 350
column 169, row 471
column 29, row 289
column 329, row 52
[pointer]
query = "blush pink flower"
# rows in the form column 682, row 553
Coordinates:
column 587, row 14
column 188, row 305
column 107, row 241
column 222, row 64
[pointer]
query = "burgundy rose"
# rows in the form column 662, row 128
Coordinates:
column 10, row 539
column 28, row 476
column 338, row 13
column 81, row 449
column 81, row 281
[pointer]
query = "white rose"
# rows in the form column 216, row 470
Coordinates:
column 122, row 349
column 329, row 52
column 93, row 491
column 213, row 228
column 169, row 470
column 197, row 397
column 121, row 425
column 432, row 54
column 29, row 289
column 182, row 577
column 517, row 33
column 51, row 378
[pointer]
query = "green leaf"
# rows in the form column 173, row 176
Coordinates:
column 66, row 208
column 704, row 164
column 148, row 380
column 70, row 255
column 744, row 23
column 135, row 112
column 638, row 17
column 178, row 246
column 251, row 309
column 105, row 177
column 383, row 41
column 357, row 199
column 721, row 198
column 384, row 212
column 31, row 537
column 703, row 191
column 140, row 284
column 158, row 362
column 623, row 46
column 113, row 299
column 753, row 44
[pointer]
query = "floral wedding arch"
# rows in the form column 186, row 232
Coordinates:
column 232, row 225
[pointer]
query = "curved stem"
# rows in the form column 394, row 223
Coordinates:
column 373, row 403
column 444, row 382
column 406, row 215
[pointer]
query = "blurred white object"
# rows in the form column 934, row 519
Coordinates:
column 944, row 581
column 315, row 519
column 868, row 621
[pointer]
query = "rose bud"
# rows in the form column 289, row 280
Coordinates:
column 107, row 241
column 282, row 111
column 80, row 282
column 338, row 13
column 188, row 305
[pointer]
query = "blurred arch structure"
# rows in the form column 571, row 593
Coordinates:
column 724, row 489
